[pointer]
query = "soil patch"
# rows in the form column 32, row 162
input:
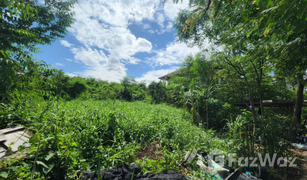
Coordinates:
column 151, row 151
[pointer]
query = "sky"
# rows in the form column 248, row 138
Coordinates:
column 112, row 39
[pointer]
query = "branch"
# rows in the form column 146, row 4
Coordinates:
column 237, row 68
column 208, row 6
column 257, row 74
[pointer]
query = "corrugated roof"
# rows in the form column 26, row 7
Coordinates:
column 167, row 76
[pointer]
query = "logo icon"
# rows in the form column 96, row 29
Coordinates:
column 216, row 157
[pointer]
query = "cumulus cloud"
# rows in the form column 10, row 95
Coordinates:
column 99, row 65
column 106, row 73
column 171, row 9
column 108, row 45
column 102, row 27
column 66, row 43
column 173, row 54
column 154, row 75
column 89, row 56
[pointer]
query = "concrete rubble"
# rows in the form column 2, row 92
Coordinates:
column 11, row 139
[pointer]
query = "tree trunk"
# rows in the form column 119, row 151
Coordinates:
column 259, row 78
column 251, row 101
column 207, row 114
column 261, row 105
column 297, row 110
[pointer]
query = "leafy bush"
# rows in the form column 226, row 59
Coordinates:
column 269, row 137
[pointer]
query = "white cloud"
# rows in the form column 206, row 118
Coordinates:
column 171, row 9
column 160, row 19
column 59, row 64
column 66, row 43
column 166, row 14
column 132, row 60
column 71, row 74
column 155, row 74
column 173, row 54
column 99, row 65
column 101, row 27
column 89, row 56
column 104, row 72
column 170, row 12
column 146, row 26
column 169, row 26
column 67, row 59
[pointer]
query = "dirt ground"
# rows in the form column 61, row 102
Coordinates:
column 303, row 167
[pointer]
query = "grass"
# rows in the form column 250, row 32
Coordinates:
column 95, row 135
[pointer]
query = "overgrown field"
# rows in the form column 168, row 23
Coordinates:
column 95, row 135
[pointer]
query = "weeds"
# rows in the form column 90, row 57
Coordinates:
column 96, row 135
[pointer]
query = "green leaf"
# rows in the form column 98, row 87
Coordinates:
column 4, row 174
column 266, row 32
column 249, row 33
column 17, row 8
column 73, row 144
column 28, row 11
column 270, row 9
column 302, row 9
column 41, row 163
column 10, row 10
column 256, row 2
column 270, row 3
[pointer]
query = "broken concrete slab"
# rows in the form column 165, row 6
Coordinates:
column 11, row 130
column 189, row 157
column 12, row 138
column 2, row 137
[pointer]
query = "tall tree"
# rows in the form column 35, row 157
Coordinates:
column 196, row 26
column 25, row 24
column 276, row 29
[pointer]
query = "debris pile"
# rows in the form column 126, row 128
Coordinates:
column 129, row 172
column 301, row 144
column 218, row 171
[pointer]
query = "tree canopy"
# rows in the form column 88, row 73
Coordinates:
column 256, row 36
column 24, row 25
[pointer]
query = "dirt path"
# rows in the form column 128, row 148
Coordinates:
column 303, row 168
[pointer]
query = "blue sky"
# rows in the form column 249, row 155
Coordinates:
column 113, row 39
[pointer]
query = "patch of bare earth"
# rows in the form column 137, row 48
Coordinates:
column 303, row 167
column 151, row 151
column 299, row 172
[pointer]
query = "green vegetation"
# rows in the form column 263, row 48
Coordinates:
column 24, row 25
column 93, row 135
column 258, row 53
column 257, row 37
